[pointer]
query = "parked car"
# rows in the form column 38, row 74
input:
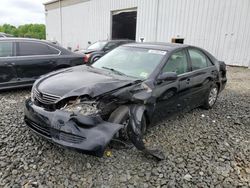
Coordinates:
column 22, row 60
column 122, row 94
column 4, row 35
column 100, row 48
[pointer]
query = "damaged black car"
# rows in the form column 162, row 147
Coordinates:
column 122, row 94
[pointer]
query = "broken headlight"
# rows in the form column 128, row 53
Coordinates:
column 82, row 107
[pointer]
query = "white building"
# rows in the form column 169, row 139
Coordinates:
column 220, row 26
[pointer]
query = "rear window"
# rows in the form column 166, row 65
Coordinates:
column 5, row 49
column 35, row 48
column 198, row 59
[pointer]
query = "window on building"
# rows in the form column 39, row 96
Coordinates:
column 178, row 40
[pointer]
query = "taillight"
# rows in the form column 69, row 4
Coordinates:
column 86, row 58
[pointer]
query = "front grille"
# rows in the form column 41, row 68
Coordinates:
column 47, row 132
column 45, row 98
column 71, row 138
column 43, row 130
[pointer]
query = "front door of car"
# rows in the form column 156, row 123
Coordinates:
column 34, row 59
column 7, row 70
column 173, row 96
column 203, row 72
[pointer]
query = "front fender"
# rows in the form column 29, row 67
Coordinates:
column 134, row 133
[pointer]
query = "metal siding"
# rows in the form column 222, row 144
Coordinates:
column 221, row 27
column 90, row 21
column 53, row 25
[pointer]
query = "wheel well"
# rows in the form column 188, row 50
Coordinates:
column 121, row 111
column 97, row 56
column 147, row 118
column 218, row 85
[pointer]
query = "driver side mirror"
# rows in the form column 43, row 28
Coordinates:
column 167, row 76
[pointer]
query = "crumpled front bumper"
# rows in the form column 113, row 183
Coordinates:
column 87, row 134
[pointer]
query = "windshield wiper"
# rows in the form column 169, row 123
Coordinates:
column 115, row 71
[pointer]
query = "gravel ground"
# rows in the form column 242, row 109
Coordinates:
column 203, row 148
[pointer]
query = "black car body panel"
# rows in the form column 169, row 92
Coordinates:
column 89, row 134
column 22, row 61
column 115, row 97
column 81, row 79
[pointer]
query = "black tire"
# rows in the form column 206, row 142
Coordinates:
column 211, row 97
column 121, row 116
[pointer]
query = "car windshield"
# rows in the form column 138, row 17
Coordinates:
column 131, row 61
column 97, row 45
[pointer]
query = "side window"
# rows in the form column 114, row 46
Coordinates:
column 198, row 59
column 6, row 49
column 209, row 63
column 34, row 48
column 177, row 63
column 111, row 45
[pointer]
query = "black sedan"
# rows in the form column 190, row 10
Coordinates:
column 122, row 94
column 100, row 48
column 22, row 61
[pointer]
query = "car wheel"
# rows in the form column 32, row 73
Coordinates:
column 211, row 97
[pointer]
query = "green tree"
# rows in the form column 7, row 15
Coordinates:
column 28, row 30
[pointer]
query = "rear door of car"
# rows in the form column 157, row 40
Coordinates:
column 7, row 70
column 203, row 74
column 34, row 59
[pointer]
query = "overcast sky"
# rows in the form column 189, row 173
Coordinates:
column 18, row 12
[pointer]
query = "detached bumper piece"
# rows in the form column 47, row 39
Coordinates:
column 89, row 135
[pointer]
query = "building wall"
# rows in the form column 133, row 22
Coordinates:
column 221, row 27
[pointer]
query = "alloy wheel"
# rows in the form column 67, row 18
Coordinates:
column 212, row 96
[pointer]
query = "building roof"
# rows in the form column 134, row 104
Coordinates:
column 51, row 1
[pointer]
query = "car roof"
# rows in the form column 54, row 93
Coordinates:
column 18, row 39
column 157, row 45
column 21, row 39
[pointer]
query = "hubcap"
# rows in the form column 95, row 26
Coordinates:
column 212, row 96
column 95, row 59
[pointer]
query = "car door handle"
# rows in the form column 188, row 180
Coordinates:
column 188, row 80
column 52, row 62
column 213, row 72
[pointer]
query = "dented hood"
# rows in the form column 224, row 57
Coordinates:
column 81, row 80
